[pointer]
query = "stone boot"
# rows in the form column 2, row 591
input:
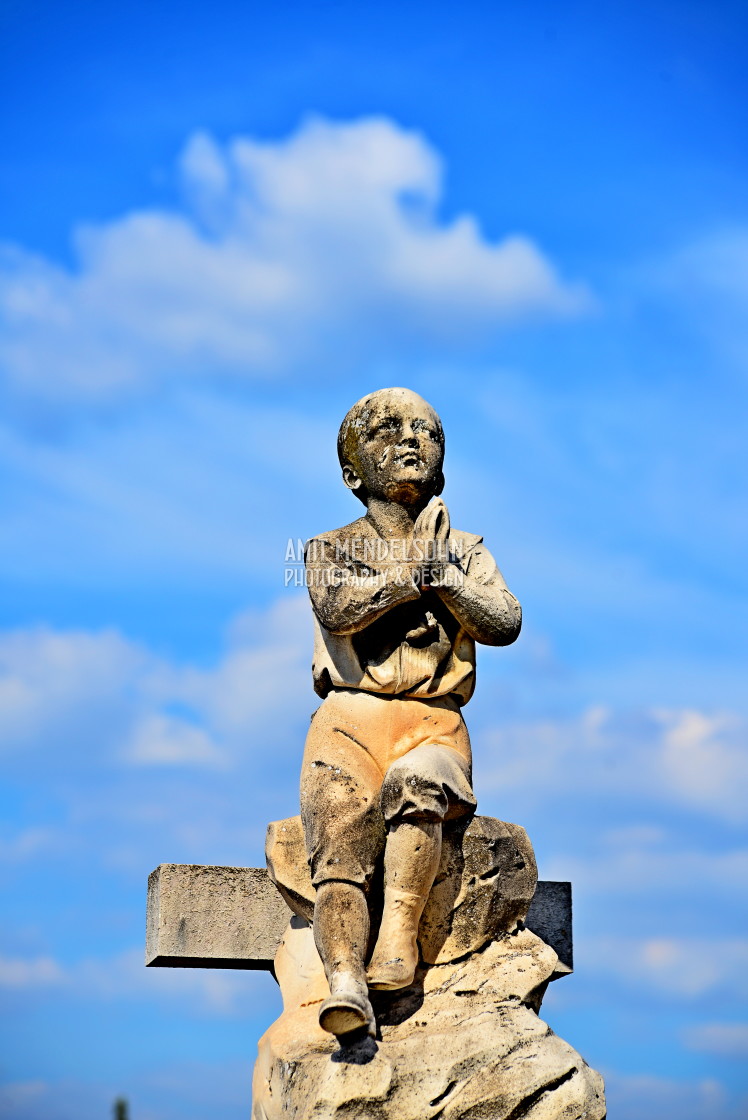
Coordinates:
column 347, row 1007
column 395, row 958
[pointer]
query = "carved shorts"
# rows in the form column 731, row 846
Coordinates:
column 372, row 759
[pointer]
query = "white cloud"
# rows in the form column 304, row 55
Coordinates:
column 52, row 684
column 710, row 278
column 121, row 734
column 124, row 976
column 705, row 758
column 332, row 233
column 36, row 972
column 264, row 673
column 648, row 1097
column 163, row 740
column 634, row 867
column 682, row 756
column 721, row 261
column 688, row 967
column 196, row 490
column 101, row 698
column 726, row 1039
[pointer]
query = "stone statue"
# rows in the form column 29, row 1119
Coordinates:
column 411, row 939
column 400, row 599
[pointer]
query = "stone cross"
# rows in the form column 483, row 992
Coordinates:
column 234, row 917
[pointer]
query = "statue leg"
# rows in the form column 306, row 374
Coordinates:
column 411, row 861
column 341, row 933
column 344, row 831
column 422, row 789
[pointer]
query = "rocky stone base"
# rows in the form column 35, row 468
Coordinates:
column 463, row 1043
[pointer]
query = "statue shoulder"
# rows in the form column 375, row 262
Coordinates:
column 355, row 530
column 468, row 541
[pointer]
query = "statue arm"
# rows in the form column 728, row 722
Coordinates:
column 480, row 600
column 347, row 595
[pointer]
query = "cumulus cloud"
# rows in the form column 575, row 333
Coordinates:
column 325, row 245
column 100, row 698
column 54, row 685
column 263, row 673
column 679, row 756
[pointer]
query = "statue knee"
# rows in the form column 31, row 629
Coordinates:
column 410, row 792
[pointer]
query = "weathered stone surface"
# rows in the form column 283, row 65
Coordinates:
column 463, row 1043
column 484, row 886
column 212, row 917
column 285, row 855
column 233, row 917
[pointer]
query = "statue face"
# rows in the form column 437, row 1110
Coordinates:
column 399, row 450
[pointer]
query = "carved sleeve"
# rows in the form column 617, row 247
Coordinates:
column 348, row 594
column 482, row 602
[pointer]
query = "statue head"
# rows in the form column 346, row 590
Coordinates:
column 391, row 447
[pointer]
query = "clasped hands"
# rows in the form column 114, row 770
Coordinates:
column 431, row 545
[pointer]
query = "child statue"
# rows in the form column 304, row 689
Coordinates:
column 400, row 599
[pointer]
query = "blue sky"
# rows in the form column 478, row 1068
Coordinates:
column 219, row 227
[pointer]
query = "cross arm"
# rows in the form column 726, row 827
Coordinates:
column 233, row 917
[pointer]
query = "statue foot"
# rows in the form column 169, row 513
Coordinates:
column 392, row 974
column 394, row 961
column 347, row 1008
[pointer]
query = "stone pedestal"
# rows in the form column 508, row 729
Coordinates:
column 464, row 1042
